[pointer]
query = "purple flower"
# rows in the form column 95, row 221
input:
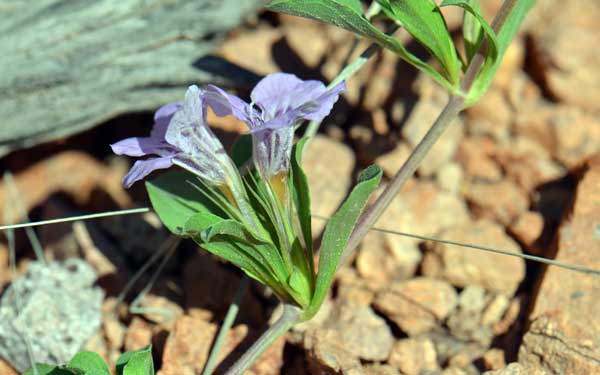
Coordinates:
column 180, row 136
column 280, row 102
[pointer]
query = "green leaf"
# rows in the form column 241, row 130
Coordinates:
column 504, row 38
column 337, row 233
column 175, row 200
column 424, row 21
column 347, row 15
column 301, row 196
column 89, row 363
column 43, row 369
column 473, row 36
column 230, row 240
column 138, row 362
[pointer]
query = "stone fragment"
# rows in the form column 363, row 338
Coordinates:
column 577, row 135
column 563, row 335
column 159, row 309
column 6, row 369
column 527, row 229
column 327, row 355
column 450, row 177
column 517, row 369
column 114, row 331
column 567, row 68
column 328, row 165
column 475, row 154
column 138, row 335
column 503, row 201
column 417, row 305
column 384, row 257
column 256, row 43
column 493, row 359
column 491, row 116
column 57, row 308
column 187, row 346
column 494, row 272
column 472, row 298
column 377, row 369
column 413, row 356
column 364, row 334
column 494, row 312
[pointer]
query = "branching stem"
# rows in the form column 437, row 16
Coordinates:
column 454, row 106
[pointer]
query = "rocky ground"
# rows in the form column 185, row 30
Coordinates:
column 520, row 171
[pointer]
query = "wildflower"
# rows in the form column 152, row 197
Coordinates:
column 180, row 136
column 280, row 102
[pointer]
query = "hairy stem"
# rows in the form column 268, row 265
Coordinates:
column 454, row 106
column 290, row 316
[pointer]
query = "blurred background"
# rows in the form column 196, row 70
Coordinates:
column 518, row 171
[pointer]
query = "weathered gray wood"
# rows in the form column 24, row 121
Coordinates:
column 67, row 65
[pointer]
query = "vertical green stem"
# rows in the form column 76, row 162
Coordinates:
column 290, row 316
column 227, row 323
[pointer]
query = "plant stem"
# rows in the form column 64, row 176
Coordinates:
column 290, row 316
column 454, row 106
column 227, row 323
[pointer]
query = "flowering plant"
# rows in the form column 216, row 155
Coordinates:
column 255, row 215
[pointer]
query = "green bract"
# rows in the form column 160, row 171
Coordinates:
column 284, row 264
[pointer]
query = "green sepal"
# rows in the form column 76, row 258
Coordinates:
column 338, row 231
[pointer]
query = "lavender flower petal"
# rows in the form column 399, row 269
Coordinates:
column 223, row 104
column 143, row 168
column 201, row 151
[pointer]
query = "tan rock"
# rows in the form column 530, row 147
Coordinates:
column 527, row 229
column 450, row 177
column 475, row 155
column 493, row 359
column 567, row 68
column 138, row 335
column 417, row 305
column 256, row 43
column 159, row 309
column 493, row 272
column 494, row 312
column 577, row 135
column 327, row 355
column 384, row 257
column 328, row 165
column 511, row 65
column 503, row 201
column 562, row 338
column 6, row 369
column 187, row 346
column 114, row 331
column 491, row 116
column 516, row 369
column 364, row 334
column 414, row 355
column 378, row 369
